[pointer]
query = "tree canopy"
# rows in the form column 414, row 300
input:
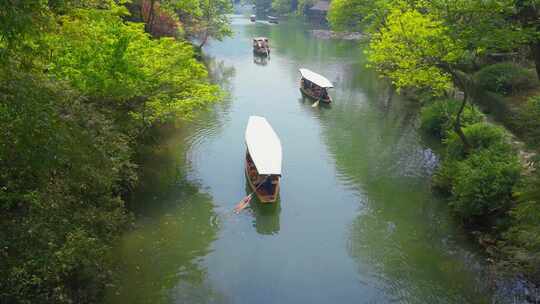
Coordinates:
column 79, row 85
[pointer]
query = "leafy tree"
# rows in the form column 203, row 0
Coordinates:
column 204, row 19
column 357, row 15
column 527, row 14
column 438, row 117
column 65, row 147
column 284, row 6
column 62, row 167
column 415, row 50
column 117, row 64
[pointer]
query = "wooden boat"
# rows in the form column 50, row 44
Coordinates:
column 315, row 86
column 261, row 46
column 273, row 19
column 263, row 159
column 252, row 18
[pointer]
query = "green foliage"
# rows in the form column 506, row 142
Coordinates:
column 480, row 136
column 528, row 121
column 282, row 6
column 66, row 138
column 483, row 26
column 481, row 182
column 304, row 5
column 411, row 49
column 116, row 62
column 505, row 78
column 204, row 19
column 438, row 118
column 62, row 167
column 345, row 15
column 358, row 15
column 523, row 237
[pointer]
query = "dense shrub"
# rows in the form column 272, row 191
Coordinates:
column 67, row 126
column 438, row 117
column 523, row 237
column 528, row 122
column 481, row 182
column 60, row 209
column 505, row 78
column 480, row 136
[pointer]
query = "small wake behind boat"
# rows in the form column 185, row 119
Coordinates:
column 263, row 159
column 315, row 86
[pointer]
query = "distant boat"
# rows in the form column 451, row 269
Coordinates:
column 315, row 86
column 263, row 159
column 252, row 18
column 273, row 19
column 261, row 46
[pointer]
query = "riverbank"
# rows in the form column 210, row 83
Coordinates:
column 499, row 227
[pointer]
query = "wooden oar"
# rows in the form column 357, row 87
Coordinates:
column 246, row 200
column 243, row 203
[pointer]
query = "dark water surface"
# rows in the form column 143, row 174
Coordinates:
column 356, row 221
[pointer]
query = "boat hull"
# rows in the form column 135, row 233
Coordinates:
column 261, row 52
column 263, row 198
column 310, row 95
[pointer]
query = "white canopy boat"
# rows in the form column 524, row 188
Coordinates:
column 261, row 46
column 263, row 159
column 315, row 86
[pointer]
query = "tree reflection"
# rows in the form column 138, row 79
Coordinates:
column 160, row 260
column 403, row 239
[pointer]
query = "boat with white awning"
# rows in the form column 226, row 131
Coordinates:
column 315, row 86
column 261, row 46
column 263, row 159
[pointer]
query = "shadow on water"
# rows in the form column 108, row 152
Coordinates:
column 160, row 259
column 176, row 225
column 265, row 215
column 261, row 60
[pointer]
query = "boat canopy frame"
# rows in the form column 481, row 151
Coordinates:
column 316, row 79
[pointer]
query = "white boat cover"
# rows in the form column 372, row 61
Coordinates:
column 317, row 79
column 264, row 146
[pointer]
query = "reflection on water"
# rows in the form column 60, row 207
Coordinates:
column 176, row 225
column 265, row 215
column 356, row 221
column 261, row 60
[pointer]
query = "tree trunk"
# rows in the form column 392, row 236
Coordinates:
column 204, row 40
column 535, row 48
column 464, row 84
column 150, row 19
column 457, row 126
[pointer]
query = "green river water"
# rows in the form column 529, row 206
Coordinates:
column 356, row 221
